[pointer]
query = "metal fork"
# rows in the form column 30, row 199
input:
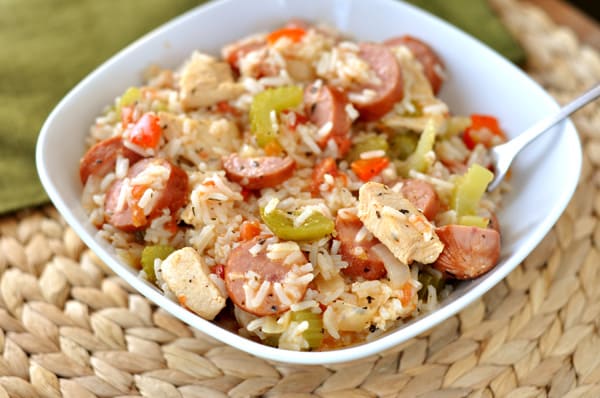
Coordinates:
column 504, row 154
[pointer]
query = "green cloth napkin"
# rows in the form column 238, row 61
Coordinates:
column 47, row 46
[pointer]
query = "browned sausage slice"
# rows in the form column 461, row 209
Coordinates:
column 468, row 251
column 391, row 87
column 362, row 261
column 325, row 104
column 432, row 64
column 422, row 195
column 131, row 217
column 100, row 159
column 258, row 172
column 256, row 283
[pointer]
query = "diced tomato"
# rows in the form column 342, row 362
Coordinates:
column 225, row 107
column 249, row 230
column 147, row 131
column 365, row 169
column 325, row 166
column 183, row 301
column 246, row 193
column 468, row 139
column 490, row 122
column 293, row 122
column 343, row 143
column 137, row 191
column 233, row 57
column 407, row 291
column 218, row 270
column 137, row 215
column 171, row 226
column 323, row 307
column 483, row 129
column 295, row 34
column 273, row 148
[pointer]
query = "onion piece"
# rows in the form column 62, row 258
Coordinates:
column 397, row 271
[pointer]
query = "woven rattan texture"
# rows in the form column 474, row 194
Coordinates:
column 69, row 327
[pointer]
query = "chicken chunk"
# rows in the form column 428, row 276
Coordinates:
column 205, row 81
column 398, row 224
column 187, row 276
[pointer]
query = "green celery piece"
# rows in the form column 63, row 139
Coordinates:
column 272, row 99
column 469, row 189
column 149, row 254
column 473, row 221
column 129, row 97
column 427, row 279
column 315, row 227
column 416, row 161
column 314, row 334
column 402, row 145
column 366, row 144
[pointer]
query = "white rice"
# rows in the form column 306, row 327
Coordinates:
column 363, row 96
column 196, row 140
column 378, row 153
column 122, row 166
column 307, row 137
column 351, row 112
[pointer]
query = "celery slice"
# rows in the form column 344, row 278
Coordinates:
column 314, row 227
column 129, row 97
column 366, row 144
column 402, row 145
column 469, row 190
column 272, row 99
column 435, row 279
column 418, row 159
column 149, row 254
column 474, row 221
column 314, row 334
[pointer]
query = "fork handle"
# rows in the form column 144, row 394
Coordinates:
column 544, row 124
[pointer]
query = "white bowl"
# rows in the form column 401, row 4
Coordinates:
column 479, row 81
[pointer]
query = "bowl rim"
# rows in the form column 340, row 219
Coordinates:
column 381, row 343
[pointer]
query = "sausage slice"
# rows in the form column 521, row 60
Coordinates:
column 362, row 261
column 427, row 57
column 422, row 195
column 258, row 172
column 129, row 216
column 391, row 86
column 325, row 104
column 468, row 251
column 101, row 158
column 260, row 285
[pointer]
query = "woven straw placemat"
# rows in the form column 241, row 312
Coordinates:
column 69, row 327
